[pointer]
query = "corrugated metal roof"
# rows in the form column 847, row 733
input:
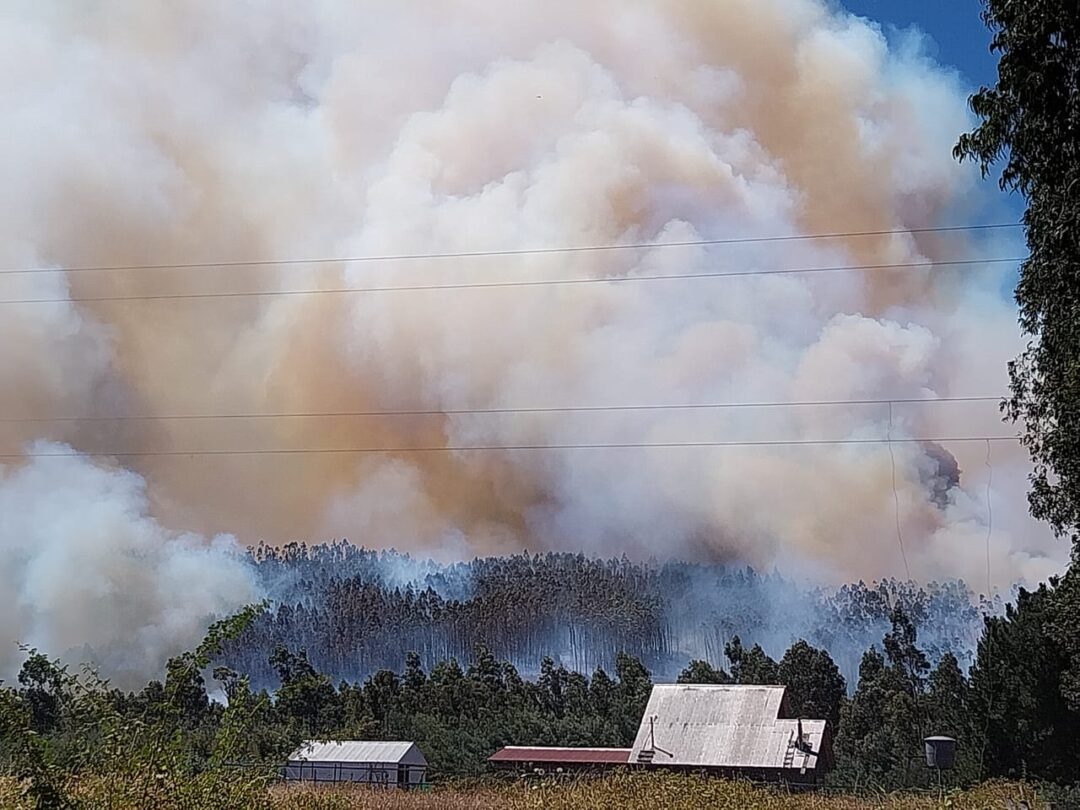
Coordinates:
column 724, row 727
column 358, row 751
column 577, row 756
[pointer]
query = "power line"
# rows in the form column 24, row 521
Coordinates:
column 511, row 447
column 511, row 410
column 895, row 494
column 988, row 632
column 393, row 257
column 509, row 284
column 989, row 518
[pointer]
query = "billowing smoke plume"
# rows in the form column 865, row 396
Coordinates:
column 198, row 131
column 86, row 568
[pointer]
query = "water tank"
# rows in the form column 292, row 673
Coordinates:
column 940, row 752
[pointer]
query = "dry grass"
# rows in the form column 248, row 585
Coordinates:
column 635, row 792
column 615, row 792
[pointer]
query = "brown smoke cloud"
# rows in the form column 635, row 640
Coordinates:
column 198, row 131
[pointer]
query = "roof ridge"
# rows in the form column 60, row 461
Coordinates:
column 727, row 687
column 570, row 747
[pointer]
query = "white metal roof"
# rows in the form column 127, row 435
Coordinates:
column 359, row 751
column 724, row 726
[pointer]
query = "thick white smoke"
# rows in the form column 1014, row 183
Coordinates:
column 87, row 569
column 198, row 131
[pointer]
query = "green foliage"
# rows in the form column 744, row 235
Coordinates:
column 751, row 666
column 460, row 717
column 864, row 749
column 72, row 741
column 306, row 699
column 631, row 696
column 1030, row 122
column 25, row 757
column 1063, row 627
column 169, row 746
column 882, row 727
column 951, row 713
column 43, row 681
column 815, row 687
column 906, row 661
column 1029, row 725
column 702, row 672
column 1026, row 680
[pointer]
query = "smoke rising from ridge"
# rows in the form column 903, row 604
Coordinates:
column 199, row 132
column 86, row 568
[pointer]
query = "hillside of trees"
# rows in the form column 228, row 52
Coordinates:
column 1016, row 714
column 357, row 611
column 1013, row 701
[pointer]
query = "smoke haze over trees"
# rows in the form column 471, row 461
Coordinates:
column 1009, row 718
column 187, row 368
column 189, row 133
column 356, row 611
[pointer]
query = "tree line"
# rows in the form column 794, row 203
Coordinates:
column 1016, row 713
column 357, row 611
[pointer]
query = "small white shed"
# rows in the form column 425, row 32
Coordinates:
column 393, row 764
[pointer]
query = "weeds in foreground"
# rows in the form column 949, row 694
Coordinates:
column 223, row 790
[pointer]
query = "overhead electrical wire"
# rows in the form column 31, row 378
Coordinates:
column 514, row 251
column 889, row 440
column 509, row 410
column 988, row 633
column 267, row 263
column 509, row 447
column 510, row 284
column 989, row 518
column 896, row 495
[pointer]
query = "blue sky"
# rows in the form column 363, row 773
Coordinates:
column 958, row 38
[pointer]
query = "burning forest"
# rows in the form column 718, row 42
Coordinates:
column 356, row 612
column 628, row 343
column 673, row 280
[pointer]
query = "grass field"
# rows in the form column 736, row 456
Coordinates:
column 640, row 792
column 615, row 792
